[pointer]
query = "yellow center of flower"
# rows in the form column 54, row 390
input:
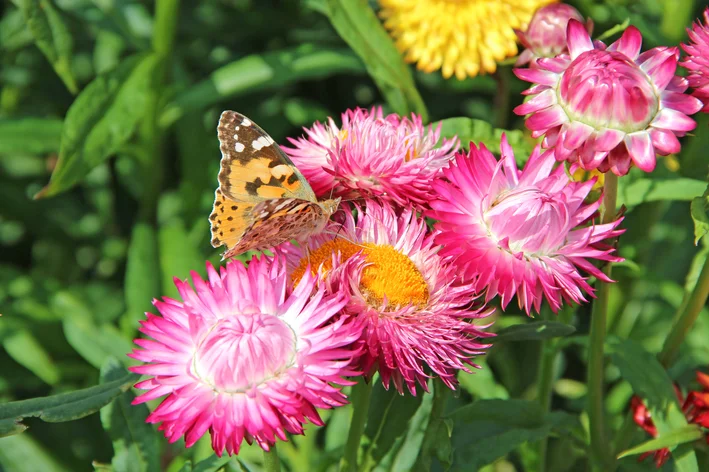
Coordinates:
column 389, row 273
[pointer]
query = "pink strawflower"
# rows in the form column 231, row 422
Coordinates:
column 389, row 158
column 608, row 108
column 546, row 34
column 517, row 232
column 243, row 357
column 416, row 312
column 697, row 60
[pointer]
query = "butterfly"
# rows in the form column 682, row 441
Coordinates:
column 262, row 200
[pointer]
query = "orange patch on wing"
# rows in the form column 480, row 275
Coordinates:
column 268, row 191
column 229, row 220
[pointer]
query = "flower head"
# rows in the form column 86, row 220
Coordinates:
column 608, row 108
column 416, row 313
column 695, row 407
column 520, row 232
column 243, row 357
column 546, row 34
column 697, row 60
column 389, row 158
column 463, row 38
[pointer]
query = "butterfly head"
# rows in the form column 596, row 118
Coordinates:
column 330, row 206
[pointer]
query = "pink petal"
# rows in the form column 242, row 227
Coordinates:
column 673, row 120
column 537, row 103
column 629, row 43
column 578, row 38
column 641, row 150
column 545, row 119
column 662, row 66
column 538, row 76
column 665, row 141
column 681, row 102
column 607, row 139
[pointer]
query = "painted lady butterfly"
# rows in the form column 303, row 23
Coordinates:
column 262, row 199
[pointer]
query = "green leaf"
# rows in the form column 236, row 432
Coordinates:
column 30, row 135
column 210, row 464
column 51, row 36
column 486, row 430
column 481, row 132
column 357, row 24
column 651, row 383
column 26, row 453
column 101, row 119
column 63, row 407
column 262, row 71
column 135, row 444
column 644, row 190
column 94, row 342
column 178, row 256
column 536, row 330
column 673, row 438
column 387, row 420
column 27, row 351
column 698, row 209
column 142, row 282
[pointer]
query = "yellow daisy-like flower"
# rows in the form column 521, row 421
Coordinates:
column 461, row 37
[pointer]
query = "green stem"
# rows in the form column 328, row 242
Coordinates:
column 545, row 378
column 271, row 462
column 502, row 97
column 361, row 395
column 163, row 41
column 688, row 313
column 441, row 393
column 600, row 446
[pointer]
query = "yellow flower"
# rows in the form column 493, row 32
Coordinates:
column 462, row 37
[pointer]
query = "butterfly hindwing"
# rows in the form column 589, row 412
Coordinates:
column 253, row 166
column 229, row 220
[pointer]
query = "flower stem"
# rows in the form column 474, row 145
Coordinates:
column 688, row 313
column 441, row 393
column 545, row 377
column 361, row 395
column 600, row 446
column 271, row 462
column 502, row 97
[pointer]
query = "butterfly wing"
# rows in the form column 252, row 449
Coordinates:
column 253, row 167
column 259, row 190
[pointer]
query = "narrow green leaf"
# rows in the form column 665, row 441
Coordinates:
column 94, row 342
column 481, row 132
column 101, row 119
column 487, row 430
column 673, row 438
column 358, row 25
column 644, row 190
column 178, row 256
column 262, row 71
column 135, row 444
column 536, row 330
column 699, row 210
column 63, row 407
column 142, row 282
column 27, row 351
column 51, row 36
column 210, row 464
column 26, row 453
column 651, row 383
column 30, row 135
column 387, row 420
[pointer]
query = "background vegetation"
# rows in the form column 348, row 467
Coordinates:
column 108, row 111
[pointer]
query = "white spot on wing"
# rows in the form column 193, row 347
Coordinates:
column 246, row 122
column 236, row 137
column 238, row 147
column 261, row 143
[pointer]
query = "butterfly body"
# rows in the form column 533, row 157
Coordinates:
column 262, row 199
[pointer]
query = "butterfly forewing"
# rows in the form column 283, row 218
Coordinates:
column 253, row 166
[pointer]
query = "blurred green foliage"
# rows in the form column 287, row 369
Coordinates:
column 108, row 111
